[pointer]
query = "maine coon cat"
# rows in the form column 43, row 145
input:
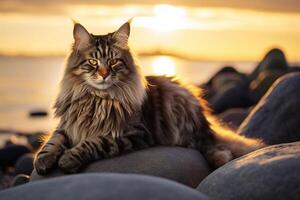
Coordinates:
column 107, row 107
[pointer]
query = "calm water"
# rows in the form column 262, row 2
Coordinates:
column 32, row 83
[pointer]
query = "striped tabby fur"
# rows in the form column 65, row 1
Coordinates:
column 107, row 107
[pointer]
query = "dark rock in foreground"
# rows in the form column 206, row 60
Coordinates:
column 20, row 179
column 102, row 186
column 38, row 113
column 270, row 173
column 10, row 154
column 24, row 164
column 276, row 118
column 183, row 165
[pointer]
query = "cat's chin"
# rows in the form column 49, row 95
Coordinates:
column 100, row 86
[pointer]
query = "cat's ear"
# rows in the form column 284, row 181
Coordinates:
column 122, row 34
column 82, row 38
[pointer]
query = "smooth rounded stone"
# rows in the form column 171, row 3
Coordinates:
column 273, row 60
column 10, row 154
column 20, row 179
column 276, row 119
column 183, row 165
column 235, row 96
column 270, row 173
column 234, row 117
column 263, row 82
column 221, row 80
column 102, row 186
column 24, row 164
column 225, row 78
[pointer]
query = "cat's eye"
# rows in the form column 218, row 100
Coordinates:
column 93, row 62
column 113, row 61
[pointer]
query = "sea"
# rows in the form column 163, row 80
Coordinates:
column 29, row 84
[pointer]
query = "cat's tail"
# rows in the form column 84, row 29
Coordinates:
column 228, row 144
column 238, row 144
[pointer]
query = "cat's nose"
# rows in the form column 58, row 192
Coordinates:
column 103, row 71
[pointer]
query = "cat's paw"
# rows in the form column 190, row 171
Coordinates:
column 68, row 163
column 44, row 162
column 219, row 155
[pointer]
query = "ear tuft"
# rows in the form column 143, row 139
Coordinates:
column 81, row 36
column 122, row 34
column 74, row 21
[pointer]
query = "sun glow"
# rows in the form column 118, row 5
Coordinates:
column 165, row 18
column 164, row 65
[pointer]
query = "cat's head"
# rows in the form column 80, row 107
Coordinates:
column 102, row 61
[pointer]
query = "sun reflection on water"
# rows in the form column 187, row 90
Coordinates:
column 163, row 65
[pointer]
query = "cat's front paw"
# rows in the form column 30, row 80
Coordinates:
column 44, row 162
column 219, row 155
column 68, row 163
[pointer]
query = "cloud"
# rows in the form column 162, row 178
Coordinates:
column 61, row 7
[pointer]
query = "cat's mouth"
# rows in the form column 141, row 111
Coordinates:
column 103, row 84
column 99, row 84
column 100, row 81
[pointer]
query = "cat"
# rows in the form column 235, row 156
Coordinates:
column 107, row 107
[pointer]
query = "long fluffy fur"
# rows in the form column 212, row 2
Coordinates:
column 86, row 112
column 189, row 119
column 134, row 112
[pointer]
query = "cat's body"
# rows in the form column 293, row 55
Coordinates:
column 106, row 107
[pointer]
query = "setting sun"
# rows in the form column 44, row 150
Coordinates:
column 165, row 18
column 164, row 65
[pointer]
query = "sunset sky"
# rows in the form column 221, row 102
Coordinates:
column 209, row 29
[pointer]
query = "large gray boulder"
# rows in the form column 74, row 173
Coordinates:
column 270, row 173
column 183, row 165
column 102, row 187
column 276, row 118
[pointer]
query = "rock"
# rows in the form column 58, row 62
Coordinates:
column 38, row 113
column 24, row 164
column 272, row 66
column 102, row 187
column 276, row 118
column 20, row 179
column 234, row 117
column 270, row 173
column 273, row 60
column 183, row 165
column 294, row 68
column 224, row 78
column 263, row 82
column 235, row 96
column 10, row 154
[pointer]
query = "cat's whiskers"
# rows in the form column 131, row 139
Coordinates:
column 119, row 87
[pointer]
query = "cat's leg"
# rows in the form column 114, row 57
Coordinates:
column 225, row 145
column 48, row 155
column 91, row 149
column 217, row 155
column 96, row 148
